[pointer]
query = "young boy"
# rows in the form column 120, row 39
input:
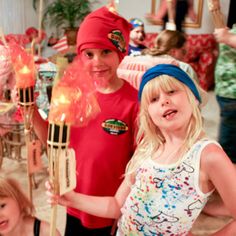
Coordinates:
column 104, row 147
column 137, row 36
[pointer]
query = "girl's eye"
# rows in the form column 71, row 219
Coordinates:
column 155, row 99
column 171, row 91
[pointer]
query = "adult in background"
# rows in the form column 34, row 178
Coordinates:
column 225, row 90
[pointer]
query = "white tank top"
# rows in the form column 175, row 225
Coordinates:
column 165, row 200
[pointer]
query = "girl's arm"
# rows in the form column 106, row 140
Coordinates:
column 223, row 35
column 108, row 207
column 222, row 174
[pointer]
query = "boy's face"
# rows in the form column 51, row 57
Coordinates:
column 101, row 64
column 137, row 35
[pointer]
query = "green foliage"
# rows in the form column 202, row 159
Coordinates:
column 65, row 13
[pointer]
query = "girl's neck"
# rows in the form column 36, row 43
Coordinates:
column 173, row 149
column 169, row 154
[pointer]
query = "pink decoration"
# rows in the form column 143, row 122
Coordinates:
column 132, row 68
column 6, row 68
column 20, row 39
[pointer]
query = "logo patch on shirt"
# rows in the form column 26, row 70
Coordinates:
column 117, row 39
column 114, row 127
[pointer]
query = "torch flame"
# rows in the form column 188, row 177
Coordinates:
column 62, row 100
column 24, row 70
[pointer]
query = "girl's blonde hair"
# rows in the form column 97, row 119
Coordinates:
column 166, row 41
column 9, row 188
column 149, row 137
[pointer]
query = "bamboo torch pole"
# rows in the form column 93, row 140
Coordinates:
column 24, row 68
column 40, row 26
column 58, row 140
column 217, row 16
column 26, row 101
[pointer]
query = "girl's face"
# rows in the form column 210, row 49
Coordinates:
column 9, row 215
column 101, row 64
column 170, row 110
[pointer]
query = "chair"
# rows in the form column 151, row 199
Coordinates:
column 11, row 142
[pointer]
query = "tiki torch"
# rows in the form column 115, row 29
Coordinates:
column 72, row 103
column 24, row 68
column 60, row 119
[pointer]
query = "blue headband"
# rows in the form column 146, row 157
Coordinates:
column 171, row 70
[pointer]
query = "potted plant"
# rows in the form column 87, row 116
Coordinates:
column 67, row 14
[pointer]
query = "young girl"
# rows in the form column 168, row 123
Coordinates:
column 175, row 167
column 16, row 212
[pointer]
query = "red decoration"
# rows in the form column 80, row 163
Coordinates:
column 73, row 98
column 23, row 65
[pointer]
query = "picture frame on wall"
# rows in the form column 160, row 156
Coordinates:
column 158, row 11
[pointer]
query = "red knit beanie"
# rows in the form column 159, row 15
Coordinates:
column 104, row 29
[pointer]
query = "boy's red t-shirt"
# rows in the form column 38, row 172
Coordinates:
column 103, row 149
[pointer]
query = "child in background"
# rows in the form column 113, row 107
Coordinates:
column 171, row 44
column 103, row 147
column 168, row 43
column 169, row 48
column 175, row 167
column 16, row 212
column 39, row 40
column 137, row 36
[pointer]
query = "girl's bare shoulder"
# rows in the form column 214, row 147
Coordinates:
column 45, row 229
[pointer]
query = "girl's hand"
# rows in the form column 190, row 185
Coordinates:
column 54, row 199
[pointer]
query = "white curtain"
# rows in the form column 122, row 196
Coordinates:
column 17, row 15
